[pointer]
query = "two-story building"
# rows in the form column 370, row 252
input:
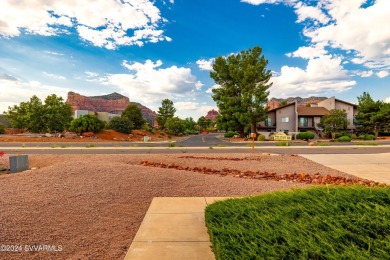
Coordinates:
column 294, row 118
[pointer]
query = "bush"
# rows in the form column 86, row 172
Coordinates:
column 171, row 144
column 230, row 134
column 343, row 133
column 2, row 128
column 261, row 137
column 174, row 126
column 344, row 139
column 87, row 123
column 191, row 132
column 367, row 137
column 305, row 136
column 120, row 124
column 146, row 127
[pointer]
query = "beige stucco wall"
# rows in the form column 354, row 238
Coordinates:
column 103, row 116
column 329, row 103
column 290, row 112
column 348, row 109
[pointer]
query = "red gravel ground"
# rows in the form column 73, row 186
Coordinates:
column 93, row 205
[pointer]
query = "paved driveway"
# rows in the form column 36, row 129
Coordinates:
column 369, row 166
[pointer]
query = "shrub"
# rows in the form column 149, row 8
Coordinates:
column 283, row 143
column 120, row 124
column 171, row 144
column 87, row 123
column 343, row 133
column 305, row 136
column 261, row 137
column 353, row 137
column 146, row 127
column 230, row 134
column 2, row 128
column 367, row 137
column 344, row 139
column 191, row 132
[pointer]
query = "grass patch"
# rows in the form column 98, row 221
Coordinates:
column 283, row 143
column 317, row 223
column 171, row 144
column 210, row 147
column 322, row 144
column 365, row 143
column 222, row 145
column 90, row 145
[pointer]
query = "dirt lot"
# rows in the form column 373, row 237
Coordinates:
column 104, row 136
column 93, row 205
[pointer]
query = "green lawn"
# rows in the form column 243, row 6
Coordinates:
column 317, row 223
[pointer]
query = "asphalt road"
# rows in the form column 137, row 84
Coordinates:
column 207, row 143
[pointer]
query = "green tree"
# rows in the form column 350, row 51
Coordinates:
column 367, row 119
column 202, row 123
column 87, row 123
column 165, row 112
column 382, row 119
column 28, row 115
column 2, row 128
column 57, row 115
column 336, row 120
column 134, row 114
column 121, row 124
column 33, row 115
column 243, row 94
column 174, row 126
column 189, row 123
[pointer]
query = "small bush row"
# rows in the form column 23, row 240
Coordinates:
column 230, row 134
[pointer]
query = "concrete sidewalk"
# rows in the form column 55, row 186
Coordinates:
column 173, row 228
column 374, row 167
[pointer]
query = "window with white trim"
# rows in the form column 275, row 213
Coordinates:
column 285, row 119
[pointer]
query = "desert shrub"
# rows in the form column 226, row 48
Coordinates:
column 87, row 123
column 261, row 137
column 171, row 144
column 2, row 128
column 353, row 137
column 344, row 139
column 191, row 132
column 120, row 124
column 367, row 137
column 230, row 134
column 146, row 127
column 343, row 133
column 305, row 136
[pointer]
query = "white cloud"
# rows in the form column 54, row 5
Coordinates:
column 210, row 90
column 150, row 84
column 205, row 64
column 186, row 105
column 364, row 74
column 308, row 52
column 14, row 91
column 54, row 76
column 382, row 74
column 322, row 75
column 259, row 2
column 53, row 53
column 362, row 30
column 104, row 23
column 387, row 100
column 305, row 12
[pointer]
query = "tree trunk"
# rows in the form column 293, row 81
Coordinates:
column 253, row 128
column 242, row 132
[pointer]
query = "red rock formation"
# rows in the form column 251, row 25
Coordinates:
column 212, row 115
column 112, row 103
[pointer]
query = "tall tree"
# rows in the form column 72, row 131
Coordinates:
column 243, row 94
column 134, row 114
column 366, row 119
column 336, row 120
column 28, row 115
column 57, row 114
column 165, row 112
column 33, row 115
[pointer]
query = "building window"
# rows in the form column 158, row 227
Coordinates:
column 285, row 119
column 268, row 122
column 303, row 122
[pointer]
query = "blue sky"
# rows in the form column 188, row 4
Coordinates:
column 151, row 50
